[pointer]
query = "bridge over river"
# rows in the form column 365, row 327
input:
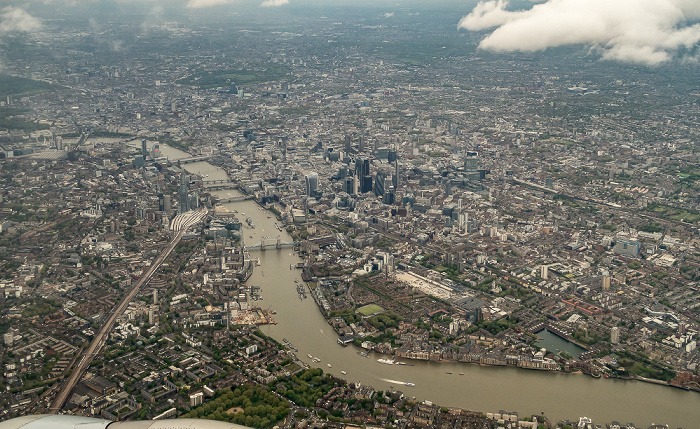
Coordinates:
column 192, row 159
column 216, row 182
column 270, row 243
column 219, row 185
column 234, row 199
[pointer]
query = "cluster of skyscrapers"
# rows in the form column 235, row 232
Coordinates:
column 356, row 176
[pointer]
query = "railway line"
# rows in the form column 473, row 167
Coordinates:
column 100, row 338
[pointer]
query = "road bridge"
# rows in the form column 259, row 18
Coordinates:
column 270, row 243
column 236, row 199
column 216, row 182
column 222, row 187
column 192, row 159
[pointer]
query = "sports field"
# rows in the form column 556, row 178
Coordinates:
column 370, row 309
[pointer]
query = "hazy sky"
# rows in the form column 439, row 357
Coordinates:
column 648, row 32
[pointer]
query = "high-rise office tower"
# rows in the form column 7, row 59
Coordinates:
column 144, row 149
column 471, row 163
column 311, row 184
column 471, row 167
column 161, row 202
column 192, row 201
column 396, row 174
column 349, row 185
column 183, row 194
column 348, row 142
column 366, row 184
column 365, row 167
column 361, row 167
column 389, row 196
column 379, row 183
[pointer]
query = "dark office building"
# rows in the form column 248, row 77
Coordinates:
column 366, row 184
column 396, row 174
column 348, row 142
column 362, row 167
column 389, row 196
column 349, row 185
column 164, row 203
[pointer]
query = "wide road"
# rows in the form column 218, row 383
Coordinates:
column 99, row 340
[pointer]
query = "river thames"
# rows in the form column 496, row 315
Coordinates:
column 481, row 388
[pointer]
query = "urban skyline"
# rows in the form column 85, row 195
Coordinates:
column 301, row 214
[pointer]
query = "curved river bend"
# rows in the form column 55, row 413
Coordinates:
column 481, row 388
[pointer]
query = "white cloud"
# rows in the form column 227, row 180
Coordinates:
column 388, row 14
column 14, row 19
column 198, row 4
column 638, row 31
column 273, row 3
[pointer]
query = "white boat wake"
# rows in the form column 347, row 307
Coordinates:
column 405, row 383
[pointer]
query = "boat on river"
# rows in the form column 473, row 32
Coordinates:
column 289, row 344
column 386, row 361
